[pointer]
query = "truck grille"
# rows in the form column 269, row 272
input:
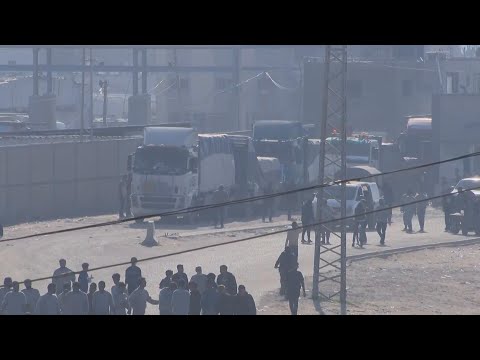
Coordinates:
column 158, row 202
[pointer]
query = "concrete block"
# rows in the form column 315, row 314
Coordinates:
column 107, row 158
column 42, row 163
column 86, row 160
column 64, row 166
column 18, row 169
column 42, row 205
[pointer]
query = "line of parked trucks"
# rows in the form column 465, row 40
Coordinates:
column 176, row 167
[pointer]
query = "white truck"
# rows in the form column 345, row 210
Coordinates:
column 177, row 168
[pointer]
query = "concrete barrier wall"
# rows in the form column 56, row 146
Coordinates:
column 45, row 181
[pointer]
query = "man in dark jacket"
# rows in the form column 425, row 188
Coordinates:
column 167, row 279
column 228, row 280
column 225, row 301
column 219, row 196
column 180, row 275
column 195, row 299
column 295, row 282
column 359, row 232
column 244, row 303
column 268, row 203
column 210, row 299
column 133, row 274
column 307, row 218
column 284, row 262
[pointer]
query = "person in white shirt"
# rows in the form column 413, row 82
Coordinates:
column 62, row 275
column 61, row 297
column 48, row 304
column 76, row 301
column 292, row 238
column 102, row 303
column 200, row 279
column 165, row 299
column 14, row 302
column 32, row 295
column 120, row 300
column 115, row 289
column 139, row 297
column 181, row 300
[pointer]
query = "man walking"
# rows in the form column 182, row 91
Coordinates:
column 421, row 209
column 200, row 279
column 181, row 300
column 381, row 217
column 244, row 303
column 76, row 301
column 219, row 196
column 48, row 304
column 139, row 297
column 32, row 295
column 120, row 299
column 285, row 262
column 7, row 287
column 268, row 203
column 292, row 239
column 210, row 299
column 307, row 218
column 102, row 302
column 133, row 274
column 180, row 275
column 165, row 299
column 408, row 210
column 228, row 280
column 91, row 291
column 14, row 302
column 62, row 275
column 83, row 278
column 295, row 282
column 165, row 282
column 195, row 299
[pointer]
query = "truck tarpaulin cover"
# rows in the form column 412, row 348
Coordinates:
column 217, row 162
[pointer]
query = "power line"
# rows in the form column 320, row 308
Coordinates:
column 253, row 237
column 239, row 201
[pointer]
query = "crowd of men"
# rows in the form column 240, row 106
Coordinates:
column 203, row 294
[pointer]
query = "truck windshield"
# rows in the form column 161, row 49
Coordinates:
column 160, row 160
column 277, row 131
column 467, row 184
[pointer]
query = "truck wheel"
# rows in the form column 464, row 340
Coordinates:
column 139, row 221
column 465, row 232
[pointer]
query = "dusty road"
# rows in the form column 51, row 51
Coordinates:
column 251, row 262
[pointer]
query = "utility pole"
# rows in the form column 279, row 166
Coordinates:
column 82, row 105
column 179, row 90
column 91, row 94
column 333, row 155
column 103, row 85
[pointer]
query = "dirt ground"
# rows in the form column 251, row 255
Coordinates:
column 442, row 281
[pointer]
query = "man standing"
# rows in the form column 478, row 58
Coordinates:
column 139, row 297
column 180, row 300
column 61, row 297
column 228, row 280
column 122, row 196
column 389, row 199
column 200, row 279
column 225, row 301
column 83, row 278
column 421, row 209
column 195, row 299
column 327, row 217
column 114, row 290
column 165, row 282
column 7, row 287
column 76, row 301
column 180, row 275
column 219, row 196
column 165, row 299
column 307, row 218
column 133, row 274
column 448, row 206
column 32, row 295
column 91, row 291
column 268, row 203
column 244, row 303
column 284, row 263
column 292, row 239
column 62, row 275
column 295, row 282
column 102, row 302
column 120, row 299
column 359, row 232
column 48, row 303
column 408, row 210
column 381, row 217
column 14, row 302
column 291, row 200
column 210, row 299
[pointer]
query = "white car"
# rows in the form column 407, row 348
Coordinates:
column 355, row 192
column 469, row 184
